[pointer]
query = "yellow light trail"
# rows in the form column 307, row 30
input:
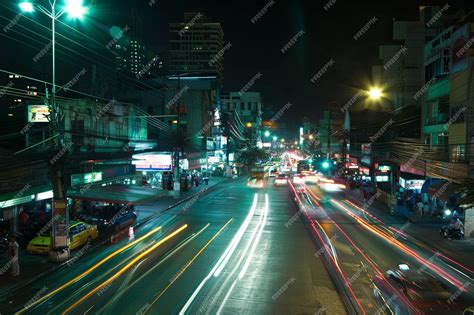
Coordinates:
column 88, row 271
column 124, row 269
column 187, row 266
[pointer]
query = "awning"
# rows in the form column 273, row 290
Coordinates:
column 114, row 193
column 443, row 190
column 408, row 176
column 428, row 183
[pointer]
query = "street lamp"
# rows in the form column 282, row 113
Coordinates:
column 75, row 9
column 282, row 140
column 311, row 137
column 375, row 93
column 248, row 125
column 267, row 133
column 275, row 138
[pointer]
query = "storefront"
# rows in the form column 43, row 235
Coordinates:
column 33, row 202
column 151, row 167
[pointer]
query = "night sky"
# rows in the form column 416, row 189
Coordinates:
column 255, row 47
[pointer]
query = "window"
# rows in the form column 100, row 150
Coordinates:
column 458, row 153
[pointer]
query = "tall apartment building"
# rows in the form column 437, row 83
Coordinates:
column 129, row 48
column 196, row 46
column 401, row 69
column 248, row 106
column 448, row 104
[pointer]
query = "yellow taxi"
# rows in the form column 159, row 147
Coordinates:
column 80, row 233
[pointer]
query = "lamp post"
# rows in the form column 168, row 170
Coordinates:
column 60, row 227
column 75, row 9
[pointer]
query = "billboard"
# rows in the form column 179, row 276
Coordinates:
column 459, row 40
column 38, row 113
column 153, row 162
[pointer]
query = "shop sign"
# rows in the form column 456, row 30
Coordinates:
column 381, row 178
column 87, row 178
column 414, row 184
column 384, row 168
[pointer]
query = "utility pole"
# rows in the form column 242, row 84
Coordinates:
column 177, row 183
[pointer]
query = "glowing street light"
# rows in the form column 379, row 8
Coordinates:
column 282, row 140
column 267, row 133
column 375, row 93
column 26, row 6
column 296, row 142
column 325, row 164
column 75, row 8
column 248, row 125
column 275, row 138
column 311, row 137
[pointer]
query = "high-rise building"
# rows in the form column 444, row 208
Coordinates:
column 196, row 46
column 401, row 70
column 129, row 48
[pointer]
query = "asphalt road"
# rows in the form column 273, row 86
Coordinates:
column 363, row 245
column 231, row 250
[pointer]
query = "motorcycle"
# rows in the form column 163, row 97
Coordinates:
column 451, row 233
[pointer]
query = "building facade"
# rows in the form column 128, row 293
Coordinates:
column 196, row 45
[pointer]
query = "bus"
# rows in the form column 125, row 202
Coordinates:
column 258, row 176
column 303, row 165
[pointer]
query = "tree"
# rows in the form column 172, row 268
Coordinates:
column 252, row 156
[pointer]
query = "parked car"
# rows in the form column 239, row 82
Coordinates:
column 112, row 218
column 80, row 233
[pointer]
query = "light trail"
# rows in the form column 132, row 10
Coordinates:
column 124, row 269
column 402, row 233
column 336, row 265
column 186, row 266
column 221, row 259
column 403, row 247
column 88, row 271
column 374, row 266
column 254, row 241
column 176, row 249
column 237, row 237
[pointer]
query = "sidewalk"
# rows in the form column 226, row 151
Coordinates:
column 33, row 267
column 424, row 230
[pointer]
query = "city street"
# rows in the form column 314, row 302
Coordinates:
column 363, row 245
column 233, row 249
column 230, row 157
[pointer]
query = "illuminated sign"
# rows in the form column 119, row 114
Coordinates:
column 414, row 184
column 153, row 162
column 385, row 168
column 213, row 159
column 402, row 182
column 381, row 178
column 38, row 113
column 87, row 178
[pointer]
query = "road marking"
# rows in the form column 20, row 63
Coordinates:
column 88, row 271
column 118, row 294
column 221, row 259
column 124, row 269
column 187, row 266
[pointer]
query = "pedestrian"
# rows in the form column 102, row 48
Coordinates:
column 13, row 253
column 419, row 208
